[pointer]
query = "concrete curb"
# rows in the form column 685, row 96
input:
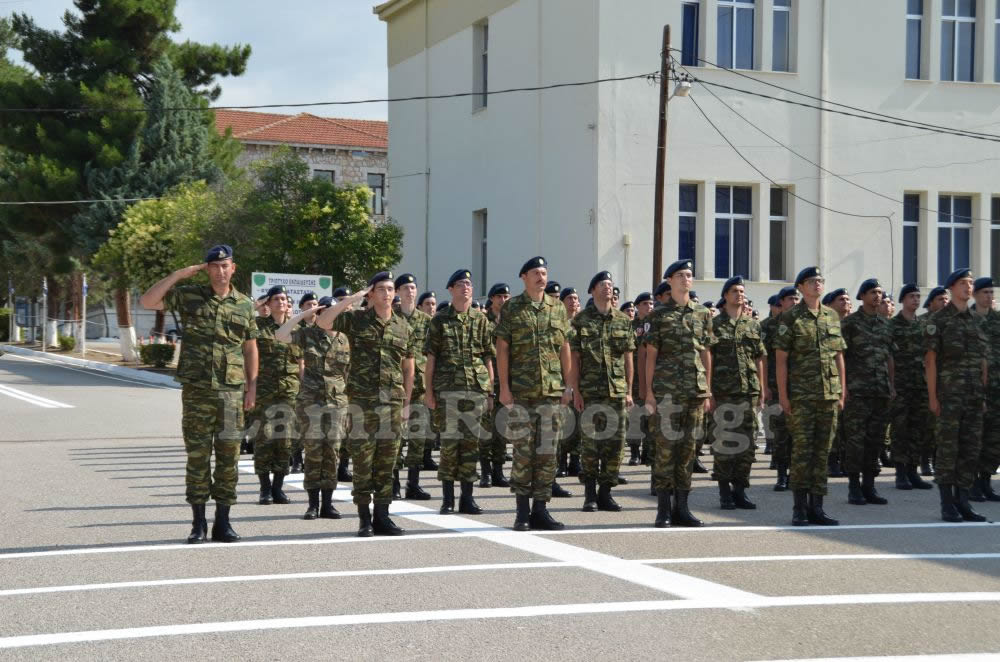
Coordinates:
column 121, row 371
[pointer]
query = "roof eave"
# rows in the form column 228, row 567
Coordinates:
column 386, row 10
column 276, row 143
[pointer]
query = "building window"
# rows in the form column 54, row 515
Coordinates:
column 779, row 233
column 954, row 233
column 689, row 38
column 687, row 222
column 995, row 239
column 376, row 182
column 733, row 211
column 911, row 225
column 480, row 66
column 325, row 175
column 781, row 43
column 479, row 219
column 996, row 51
column 958, row 39
column 736, row 34
column 914, row 31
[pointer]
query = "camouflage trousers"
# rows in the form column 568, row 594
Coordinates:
column 322, row 427
column 864, row 421
column 417, row 436
column 492, row 448
column 813, row 424
column 636, row 428
column 533, row 431
column 211, row 421
column 271, row 424
column 959, row 433
column 570, row 440
column 909, row 417
column 676, row 441
column 989, row 454
column 838, row 448
column 733, row 435
column 459, row 421
column 928, row 439
column 776, row 427
column 374, row 443
column 602, row 430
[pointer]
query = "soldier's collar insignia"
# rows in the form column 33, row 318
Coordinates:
column 931, row 329
column 782, row 330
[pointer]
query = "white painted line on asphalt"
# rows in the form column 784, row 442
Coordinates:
column 32, row 398
column 93, row 373
column 754, row 602
column 724, row 528
column 950, row 657
column 822, row 557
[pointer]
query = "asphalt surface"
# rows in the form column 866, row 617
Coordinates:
column 93, row 565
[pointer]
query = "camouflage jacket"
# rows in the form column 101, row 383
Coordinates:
column 959, row 341
column 908, row 354
column 461, row 344
column 602, row 342
column 215, row 329
column 812, row 341
column 639, row 328
column 738, row 347
column 768, row 332
column 377, row 352
column 278, row 374
column 328, row 360
column 418, row 321
column 991, row 327
column 869, row 349
column 679, row 334
column 535, row 333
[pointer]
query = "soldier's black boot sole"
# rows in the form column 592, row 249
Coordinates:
column 522, row 522
column 466, row 504
column 663, row 509
column 199, row 525
column 365, row 529
column 326, row 509
column 222, row 531
column 312, row 511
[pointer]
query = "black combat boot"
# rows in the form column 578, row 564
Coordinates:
column 395, row 485
column 365, row 529
column 559, row 492
column 297, row 462
column 902, row 478
column 574, row 468
column 870, row 493
column 265, row 489
column 964, row 509
column 644, row 456
column 663, row 509
column 466, row 504
column 590, row 496
column 949, row 513
column 883, row 457
column 541, row 520
column 413, row 490
column 312, row 512
column 987, row 488
column 522, row 521
column 800, row 514
column 767, row 447
column 854, row 494
column 916, row 482
column 221, row 529
column 698, row 467
column 485, row 474
column 199, row 525
column 499, row 480
column 740, row 498
column 245, row 445
column 833, row 468
column 382, row 525
column 343, row 475
column 276, row 492
column 926, row 467
column 726, row 496
column 976, row 493
column 562, row 467
column 816, row 514
column 448, row 497
column 326, row 509
column 605, row 501
column 429, row 463
column 782, row 483
column 682, row 515
column 633, row 459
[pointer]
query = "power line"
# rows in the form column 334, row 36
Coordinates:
column 71, row 202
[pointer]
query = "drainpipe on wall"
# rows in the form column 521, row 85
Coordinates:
column 427, row 149
column 824, row 67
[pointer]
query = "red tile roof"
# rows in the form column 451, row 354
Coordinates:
column 303, row 129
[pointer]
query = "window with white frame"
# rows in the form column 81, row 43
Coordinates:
column 958, row 40
column 911, row 233
column 735, row 36
column 954, row 233
column 690, row 13
column 778, row 241
column 914, row 33
column 781, row 42
column 480, row 65
column 687, row 221
column 733, row 213
column 479, row 219
column 995, row 239
column 376, row 182
column 325, row 175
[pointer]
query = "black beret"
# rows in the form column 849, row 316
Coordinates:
column 220, row 252
column 566, row 292
column 395, row 299
column 403, row 279
column 982, row 283
column 662, row 288
column 325, row 301
column 957, row 275
column 709, row 304
column 308, row 296
column 773, row 300
column 616, row 291
column 735, row 280
column 461, row 274
column 276, row 290
column 867, row 286
column 627, row 304
column 693, row 295
column 830, row 296
column 342, row 291
column 499, row 288
column 475, row 304
column 533, row 263
column 553, row 288
column 935, row 293
column 643, row 296
column 677, row 266
column 807, row 273
column 590, row 303
column 425, row 296
column 601, row 276
column 909, row 288
column 379, row 277
column 786, row 291
column 441, row 306
column 262, row 297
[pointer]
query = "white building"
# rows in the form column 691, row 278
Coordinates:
column 487, row 182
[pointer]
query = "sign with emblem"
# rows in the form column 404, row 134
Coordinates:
column 295, row 286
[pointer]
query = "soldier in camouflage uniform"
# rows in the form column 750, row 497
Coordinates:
column 629, row 309
column 378, row 387
column 636, row 438
column 840, row 301
column 774, row 417
column 344, row 474
column 774, row 309
column 678, row 391
column 601, row 349
column 533, row 359
column 306, row 301
column 809, row 350
column 569, row 445
column 989, row 454
column 909, row 408
column 459, row 380
column 427, row 302
column 738, row 384
column 870, row 368
column 493, row 448
column 218, row 373
column 321, row 408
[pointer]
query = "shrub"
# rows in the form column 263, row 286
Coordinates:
column 5, row 314
column 67, row 343
column 158, row 355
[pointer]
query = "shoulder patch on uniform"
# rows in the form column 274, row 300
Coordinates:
column 646, row 327
column 782, row 330
column 931, row 329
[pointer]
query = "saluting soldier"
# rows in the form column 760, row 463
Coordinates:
column 955, row 366
column 738, row 385
column 493, row 448
column 459, row 380
column 306, row 301
column 218, row 373
column 534, row 361
column 344, row 474
column 379, row 388
column 809, row 350
column 777, row 421
column 601, row 349
column 989, row 454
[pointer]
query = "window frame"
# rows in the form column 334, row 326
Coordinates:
column 378, row 193
column 480, row 65
column 481, row 221
column 730, row 219
column 955, row 20
column 919, row 19
column 333, row 175
column 915, row 225
column 952, row 226
column 735, row 6
column 687, row 215
column 787, row 10
column 782, row 219
column 690, row 59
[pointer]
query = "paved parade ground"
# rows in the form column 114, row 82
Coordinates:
column 93, row 565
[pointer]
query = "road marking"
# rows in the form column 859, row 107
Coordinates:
column 36, row 400
column 94, row 373
column 950, row 657
column 723, row 528
column 825, row 557
column 754, row 602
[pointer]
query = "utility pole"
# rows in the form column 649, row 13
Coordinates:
column 83, row 321
column 45, row 310
column 661, row 159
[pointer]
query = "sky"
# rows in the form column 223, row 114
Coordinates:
column 303, row 50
